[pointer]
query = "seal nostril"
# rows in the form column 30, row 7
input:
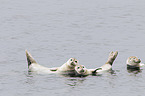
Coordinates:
column 72, row 64
column 82, row 70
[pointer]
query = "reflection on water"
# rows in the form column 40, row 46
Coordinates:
column 134, row 70
column 111, row 71
column 75, row 81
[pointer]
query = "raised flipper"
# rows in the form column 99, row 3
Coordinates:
column 108, row 65
column 33, row 66
column 112, row 57
column 30, row 59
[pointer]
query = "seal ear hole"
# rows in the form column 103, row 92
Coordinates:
column 70, row 59
column 76, row 61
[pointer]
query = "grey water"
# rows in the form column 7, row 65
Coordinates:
column 55, row 30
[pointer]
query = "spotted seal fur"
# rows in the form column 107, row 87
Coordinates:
column 66, row 68
column 82, row 70
column 33, row 66
column 134, row 62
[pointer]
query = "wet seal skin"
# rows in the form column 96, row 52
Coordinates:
column 81, row 70
column 66, row 68
column 71, row 67
column 108, row 65
column 134, row 64
column 33, row 66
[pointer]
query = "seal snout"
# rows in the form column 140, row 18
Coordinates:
column 82, row 70
column 73, row 64
column 137, row 60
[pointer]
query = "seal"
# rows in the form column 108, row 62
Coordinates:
column 108, row 65
column 66, row 68
column 71, row 67
column 81, row 70
column 134, row 62
column 33, row 66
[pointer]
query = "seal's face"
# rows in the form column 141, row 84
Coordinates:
column 72, row 62
column 134, row 61
column 80, row 69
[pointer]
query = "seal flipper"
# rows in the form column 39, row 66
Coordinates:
column 112, row 57
column 53, row 69
column 30, row 59
column 96, row 70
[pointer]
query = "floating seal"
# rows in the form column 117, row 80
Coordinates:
column 66, row 68
column 81, row 70
column 108, row 65
column 134, row 63
column 33, row 66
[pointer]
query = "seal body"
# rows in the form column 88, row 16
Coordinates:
column 71, row 67
column 68, row 67
column 33, row 66
column 134, row 64
column 105, row 67
column 133, row 61
column 39, row 69
column 108, row 65
column 81, row 70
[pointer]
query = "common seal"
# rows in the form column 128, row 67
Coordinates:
column 66, row 68
column 33, row 66
column 134, row 62
column 108, row 65
column 82, row 70
column 71, row 67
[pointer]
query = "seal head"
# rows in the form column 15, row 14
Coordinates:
column 133, row 62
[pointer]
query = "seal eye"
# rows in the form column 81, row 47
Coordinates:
column 78, row 67
column 83, row 67
column 70, row 59
column 76, row 61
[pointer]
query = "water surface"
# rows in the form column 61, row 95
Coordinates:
column 55, row 30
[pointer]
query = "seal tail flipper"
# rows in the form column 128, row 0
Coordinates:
column 30, row 59
column 112, row 57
